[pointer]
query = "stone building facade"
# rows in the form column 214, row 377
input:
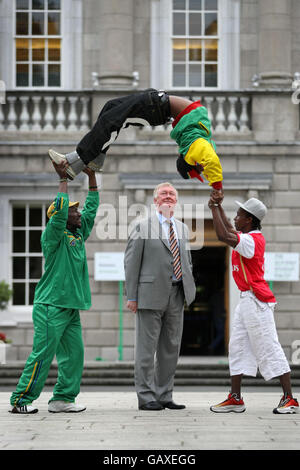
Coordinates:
column 62, row 60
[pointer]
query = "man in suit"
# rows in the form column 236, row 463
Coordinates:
column 158, row 272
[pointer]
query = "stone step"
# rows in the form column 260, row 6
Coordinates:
column 122, row 373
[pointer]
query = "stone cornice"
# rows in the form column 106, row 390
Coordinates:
column 254, row 181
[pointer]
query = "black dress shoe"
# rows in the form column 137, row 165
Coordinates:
column 173, row 406
column 151, row 406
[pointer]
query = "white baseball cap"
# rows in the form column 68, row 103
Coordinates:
column 254, row 207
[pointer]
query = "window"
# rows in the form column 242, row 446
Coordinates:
column 28, row 222
column 38, row 43
column 195, row 43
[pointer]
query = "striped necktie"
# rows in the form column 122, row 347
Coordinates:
column 176, row 255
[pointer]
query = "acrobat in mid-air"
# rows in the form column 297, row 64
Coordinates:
column 191, row 131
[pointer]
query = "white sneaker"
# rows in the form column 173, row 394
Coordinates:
column 58, row 158
column 58, row 406
column 25, row 409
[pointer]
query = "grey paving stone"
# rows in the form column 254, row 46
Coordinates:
column 113, row 422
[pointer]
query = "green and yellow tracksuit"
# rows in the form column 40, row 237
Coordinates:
column 62, row 291
column 192, row 133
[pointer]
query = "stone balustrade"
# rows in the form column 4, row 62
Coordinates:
column 45, row 111
column 229, row 112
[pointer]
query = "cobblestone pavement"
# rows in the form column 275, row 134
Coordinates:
column 113, row 422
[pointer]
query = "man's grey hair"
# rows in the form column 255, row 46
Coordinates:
column 155, row 192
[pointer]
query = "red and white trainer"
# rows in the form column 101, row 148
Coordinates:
column 231, row 404
column 287, row 405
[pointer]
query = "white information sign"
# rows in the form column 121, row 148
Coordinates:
column 109, row 266
column 281, row 266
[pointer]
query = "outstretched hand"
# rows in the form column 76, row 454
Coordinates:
column 216, row 197
column 61, row 169
column 88, row 171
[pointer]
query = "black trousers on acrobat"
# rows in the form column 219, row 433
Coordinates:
column 150, row 105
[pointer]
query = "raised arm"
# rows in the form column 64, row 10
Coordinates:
column 91, row 204
column 58, row 215
column 92, row 179
column 216, row 197
column 224, row 230
column 62, row 173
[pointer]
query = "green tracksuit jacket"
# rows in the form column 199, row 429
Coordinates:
column 192, row 134
column 65, row 282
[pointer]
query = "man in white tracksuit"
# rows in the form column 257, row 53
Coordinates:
column 254, row 342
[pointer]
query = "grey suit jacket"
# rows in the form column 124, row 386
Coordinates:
column 148, row 265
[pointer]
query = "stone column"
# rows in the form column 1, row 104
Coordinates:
column 274, row 116
column 116, row 37
column 275, row 44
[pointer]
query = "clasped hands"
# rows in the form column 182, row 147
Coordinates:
column 216, row 198
column 61, row 169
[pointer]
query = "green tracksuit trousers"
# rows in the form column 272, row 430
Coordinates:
column 57, row 331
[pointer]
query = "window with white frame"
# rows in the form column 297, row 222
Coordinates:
column 28, row 222
column 38, row 43
column 195, row 43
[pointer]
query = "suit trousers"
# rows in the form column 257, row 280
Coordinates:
column 158, row 340
column 150, row 105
